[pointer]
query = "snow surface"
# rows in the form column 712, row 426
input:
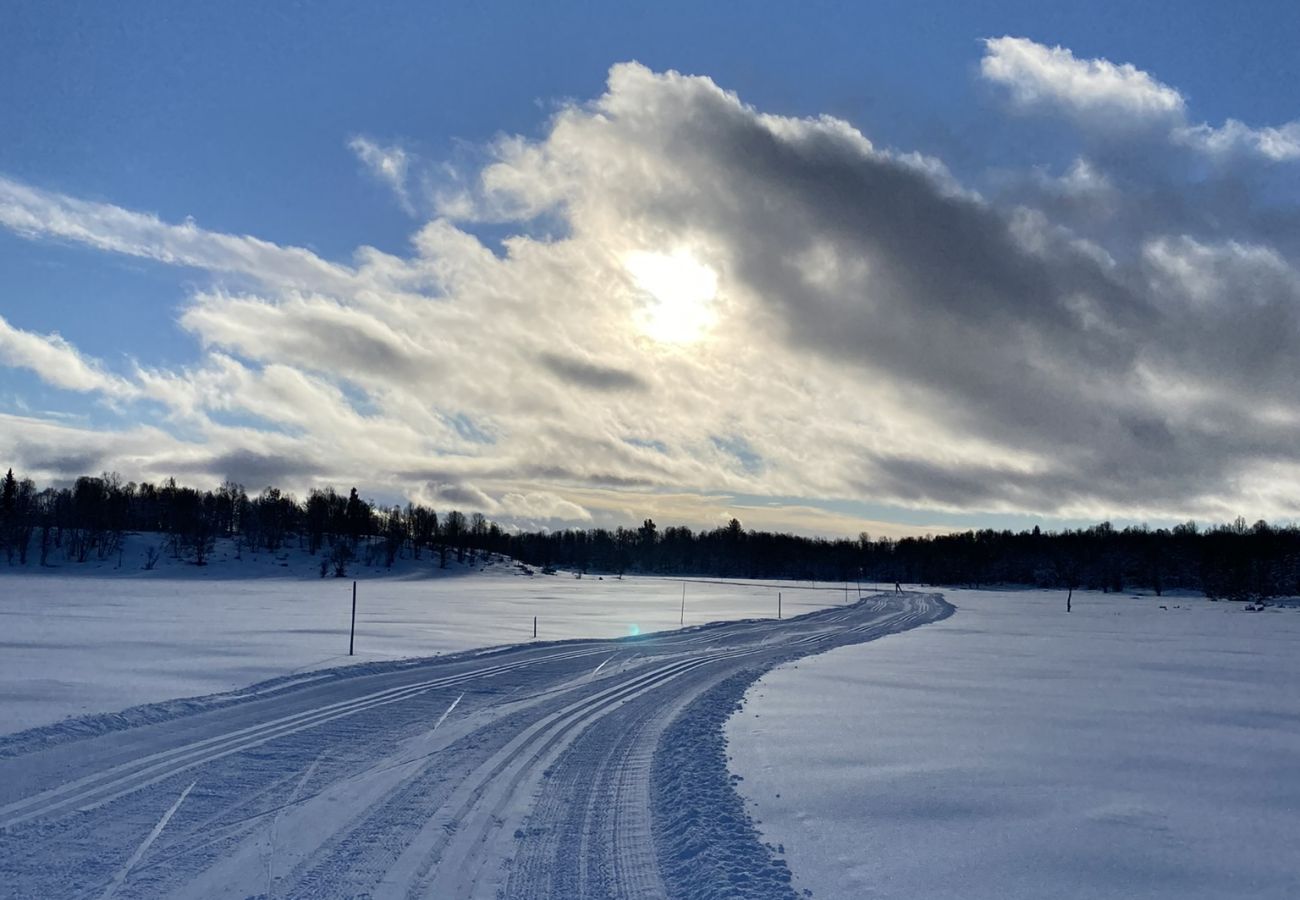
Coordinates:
column 1010, row 751
column 95, row 638
column 1013, row 750
column 570, row 769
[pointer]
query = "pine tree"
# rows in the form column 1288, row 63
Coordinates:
column 8, row 495
column 10, row 492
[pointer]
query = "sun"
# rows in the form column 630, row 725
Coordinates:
column 679, row 293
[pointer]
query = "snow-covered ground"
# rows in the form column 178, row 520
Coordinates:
column 95, row 638
column 570, row 769
column 1013, row 750
column 1010, row 751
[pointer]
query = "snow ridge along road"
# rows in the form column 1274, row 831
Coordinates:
column 569, row 770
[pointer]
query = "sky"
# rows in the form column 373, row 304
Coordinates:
column 826, row 268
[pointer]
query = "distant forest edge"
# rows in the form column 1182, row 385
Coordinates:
column 89, row 520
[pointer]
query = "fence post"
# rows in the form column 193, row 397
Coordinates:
column 778, row 604
column 352, row 635
column 534, row 626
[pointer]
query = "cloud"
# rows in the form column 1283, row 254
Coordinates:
column 1095, row 90
column 542, row 506
column 591, row 375
column 58, row 363
column 462, row 496
column 881, row 332
column 35, row 213
column 390, row 165
column 1281, row 144
column 1120, row 98
column 310, row 332
column 257, row 470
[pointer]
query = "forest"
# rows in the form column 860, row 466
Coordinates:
column 89, row 519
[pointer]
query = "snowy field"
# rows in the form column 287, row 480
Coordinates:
column 1009, row 751
column 83, row 640
column 567, row 769
column 1014, row 751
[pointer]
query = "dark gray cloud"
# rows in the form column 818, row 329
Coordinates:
column 250, row 468
column 68, row 464
column 463, row 496
column 1150, row 190
column 593, row 475
column 590, row 375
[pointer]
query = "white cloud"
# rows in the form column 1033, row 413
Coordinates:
column 390, row 164
column 1280, row 144
column 1109, row 97
column 58, row 363
column 36, row 213
column 542, row 506
column 1097, row 90
column 1085, row 180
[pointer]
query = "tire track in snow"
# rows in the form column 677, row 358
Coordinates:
column 457, row 834
column 103, row 787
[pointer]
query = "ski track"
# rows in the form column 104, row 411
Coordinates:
column 533, row 771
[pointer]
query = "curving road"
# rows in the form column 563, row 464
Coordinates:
column 579, row 769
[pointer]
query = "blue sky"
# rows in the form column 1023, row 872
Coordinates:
column 245, row 119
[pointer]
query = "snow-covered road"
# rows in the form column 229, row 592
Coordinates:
column 578, row 769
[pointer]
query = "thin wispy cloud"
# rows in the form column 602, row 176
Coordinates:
column 391, row 165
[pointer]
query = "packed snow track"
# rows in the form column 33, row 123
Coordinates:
column 579, row 769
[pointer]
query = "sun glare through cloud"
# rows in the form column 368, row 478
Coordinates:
column 680, row 292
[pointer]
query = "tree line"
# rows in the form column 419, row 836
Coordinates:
column 90, row 519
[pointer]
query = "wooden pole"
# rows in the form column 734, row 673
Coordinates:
column 683, row 622
column 352, row 636
column 778, row 604
column 534, row 626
